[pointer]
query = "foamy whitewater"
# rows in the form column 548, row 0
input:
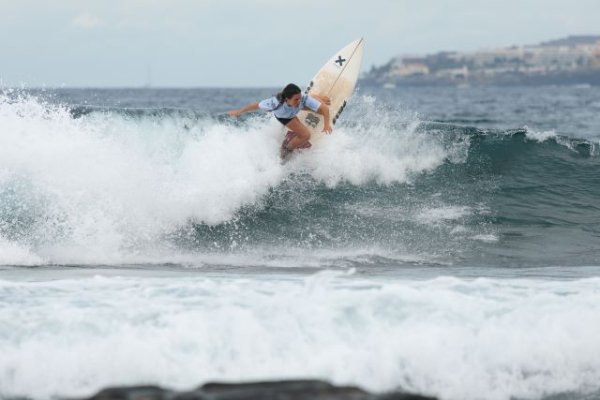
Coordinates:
column 440, row 241
column 107, row 188
column 448, row 337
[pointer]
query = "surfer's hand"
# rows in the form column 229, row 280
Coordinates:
column 234, row 113
column 327, row 128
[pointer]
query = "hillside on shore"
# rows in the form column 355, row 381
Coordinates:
column 570, row 60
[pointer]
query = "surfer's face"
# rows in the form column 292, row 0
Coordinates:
column 294, row 101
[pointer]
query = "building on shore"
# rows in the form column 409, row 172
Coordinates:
column 572, row 60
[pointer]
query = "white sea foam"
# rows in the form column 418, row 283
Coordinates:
column 487, row 238
column 436, row 215
column 376, row 149
column 107, row 188
column 358, row 157
column 540, row 136
column 456, row 339
column 12, row 253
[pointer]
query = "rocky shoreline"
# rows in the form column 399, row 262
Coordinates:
column 275, row 390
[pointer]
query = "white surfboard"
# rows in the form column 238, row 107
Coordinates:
column 336, row 79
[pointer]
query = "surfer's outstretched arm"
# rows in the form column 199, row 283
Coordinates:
column 249, row 107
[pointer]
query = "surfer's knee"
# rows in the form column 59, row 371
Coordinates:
column 303, row 131
column 304, row 134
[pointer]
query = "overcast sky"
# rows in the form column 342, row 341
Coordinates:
column 254, row 43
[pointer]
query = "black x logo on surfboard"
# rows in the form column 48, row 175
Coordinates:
column 340, row 60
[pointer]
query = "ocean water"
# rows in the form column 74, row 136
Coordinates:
column 444, row 241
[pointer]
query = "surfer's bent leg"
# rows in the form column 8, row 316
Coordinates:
column 301, row 131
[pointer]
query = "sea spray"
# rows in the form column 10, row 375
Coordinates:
column 105, row 187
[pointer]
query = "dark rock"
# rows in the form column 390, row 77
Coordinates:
column 277, row 390
column 133, row 393
column 295, row 389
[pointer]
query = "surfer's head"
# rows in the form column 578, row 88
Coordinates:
column 291, row 94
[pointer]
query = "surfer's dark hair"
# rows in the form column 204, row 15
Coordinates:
column 288, row 92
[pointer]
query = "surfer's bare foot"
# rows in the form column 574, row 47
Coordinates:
column 284, row 152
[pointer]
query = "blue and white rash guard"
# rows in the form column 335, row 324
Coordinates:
column 285, row 111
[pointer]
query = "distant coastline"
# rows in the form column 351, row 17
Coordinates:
column 574, row 60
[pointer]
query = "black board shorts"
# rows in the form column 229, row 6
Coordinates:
column 284, row 121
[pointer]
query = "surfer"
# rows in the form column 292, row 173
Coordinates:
column 285, row 106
